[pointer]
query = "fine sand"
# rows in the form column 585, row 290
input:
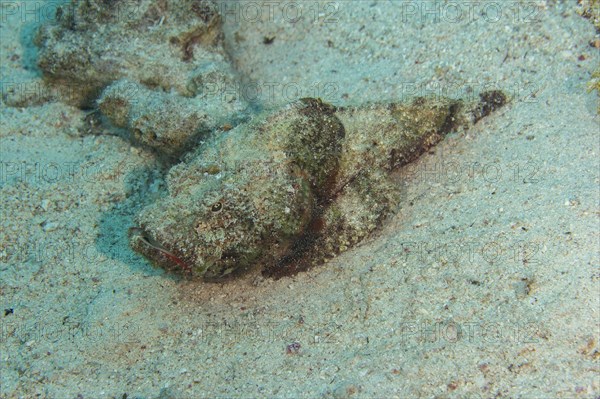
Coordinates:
column 485, row 284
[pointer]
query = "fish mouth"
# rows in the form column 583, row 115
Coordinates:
column 143, row 243
column 210, row 267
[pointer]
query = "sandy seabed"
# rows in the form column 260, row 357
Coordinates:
column 484, row 285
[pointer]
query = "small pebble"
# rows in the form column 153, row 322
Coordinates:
column 49, row 226
column 45, row 204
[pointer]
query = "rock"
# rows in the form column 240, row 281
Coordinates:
column 160, row 43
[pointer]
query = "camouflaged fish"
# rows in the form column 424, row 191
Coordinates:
column 292, row 188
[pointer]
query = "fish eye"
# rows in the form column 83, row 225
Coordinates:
column 217, row 207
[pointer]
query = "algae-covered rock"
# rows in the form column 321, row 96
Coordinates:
column 162, row 44
column 292, row 188
column 154, row 67
column 166, row 122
